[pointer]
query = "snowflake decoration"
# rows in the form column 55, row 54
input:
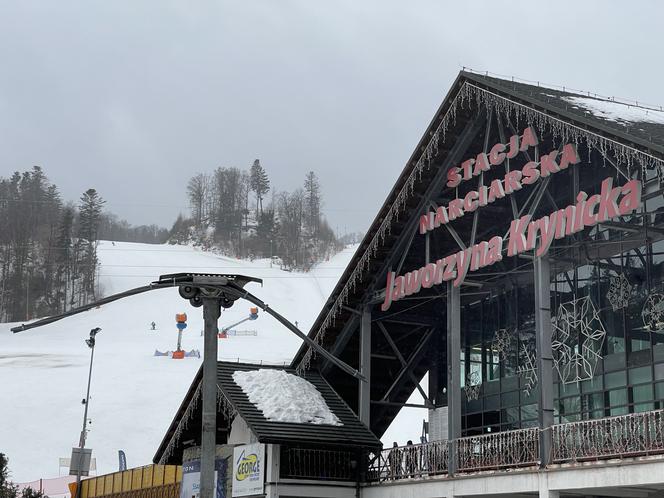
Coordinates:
column 473, row 386
column 502, row 343
column 619, row 292
column 578, row 335
column 653, row 313
column 527, row 367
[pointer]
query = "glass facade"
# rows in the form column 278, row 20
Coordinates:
column 607, row 313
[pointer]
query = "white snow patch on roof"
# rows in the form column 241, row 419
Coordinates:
column 284, row 397
column 618, row 111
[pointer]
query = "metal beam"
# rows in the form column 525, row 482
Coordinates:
column 401, row 405
column 453, row 373
column 403, row 336
column 365, row 367
column 628, row 227
column 480, row 180
column 379, row 356
column 342, row 339
column 413, row 358
column 503, row 139
column 352, row 310
column 404, row 255
column 451, row 230
column 403, row 362
column 404, row 322
column 544, row 355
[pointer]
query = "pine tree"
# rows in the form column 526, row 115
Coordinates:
column 7, row 489
column 259, row 184
column 64, row 256
column 90, row 209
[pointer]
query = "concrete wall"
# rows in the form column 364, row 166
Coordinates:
column 611, row 478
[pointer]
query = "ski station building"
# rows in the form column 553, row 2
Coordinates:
column 518, row 266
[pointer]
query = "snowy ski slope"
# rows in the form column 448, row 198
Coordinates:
column 43, row 372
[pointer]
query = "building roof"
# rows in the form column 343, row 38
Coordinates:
column 186, row 424
column 636, row 127
column 630, row 121
column 351, row 433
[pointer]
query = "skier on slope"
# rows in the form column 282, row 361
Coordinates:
column 154, row 326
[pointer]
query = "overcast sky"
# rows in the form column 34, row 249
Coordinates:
column 134, row 97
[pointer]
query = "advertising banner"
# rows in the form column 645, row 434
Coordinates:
column 248, row 469
column 191, row 479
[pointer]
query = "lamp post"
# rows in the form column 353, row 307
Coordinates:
column 81, row 442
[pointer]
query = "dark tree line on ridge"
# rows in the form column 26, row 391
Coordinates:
column 48, row 248
column 231, row 212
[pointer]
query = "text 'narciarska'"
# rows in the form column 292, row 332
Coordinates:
column 524, row 235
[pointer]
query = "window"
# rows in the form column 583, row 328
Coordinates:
column 617, row 397
column 616, row 379
column 640, row 375
column 642, row 393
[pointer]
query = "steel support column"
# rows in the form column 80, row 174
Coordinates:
column 211, row 313
column 453, row 373
column 365, row 367
column 544, row 354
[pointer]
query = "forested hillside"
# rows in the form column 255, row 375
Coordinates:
column 48, row 247
column 232, row 211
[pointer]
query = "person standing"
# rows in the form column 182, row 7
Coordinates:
column 394, row 460
column 411, row 459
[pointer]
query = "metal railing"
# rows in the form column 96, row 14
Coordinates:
column 626, row 436
column 416, row 460
column 499, row 450
column 310, row 463
column 614, row 437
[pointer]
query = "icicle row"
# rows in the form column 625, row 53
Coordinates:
column 182, row 425
column 563, row 131
column 223, row 404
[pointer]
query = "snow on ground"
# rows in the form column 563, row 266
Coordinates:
column 284, row 397
column 134, row 395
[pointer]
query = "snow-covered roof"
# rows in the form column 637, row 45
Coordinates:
column 633, row 119
column 277, row 405
column 620, row 112
column 284, row 397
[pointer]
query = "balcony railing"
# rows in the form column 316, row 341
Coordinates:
column 615, row 437
column 499, row 450
column 637, row 434
column 416, row 460
column 310, row 463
